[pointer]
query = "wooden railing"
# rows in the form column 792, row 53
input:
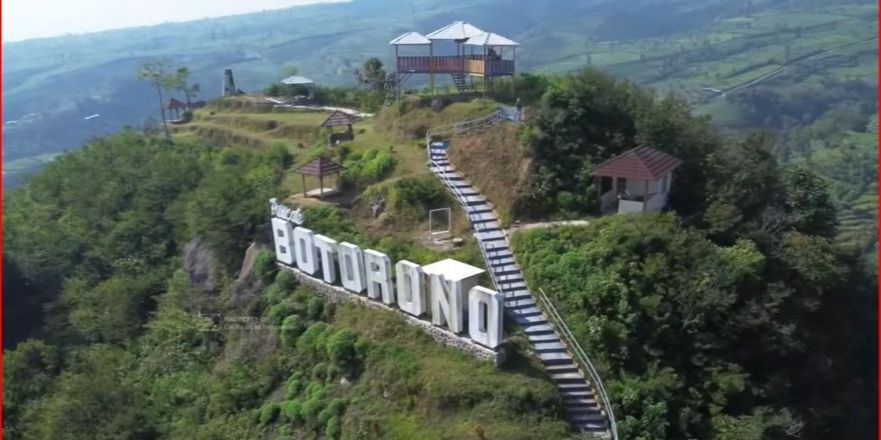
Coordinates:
column 476, row 64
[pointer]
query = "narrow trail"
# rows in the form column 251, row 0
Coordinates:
column 786, row 66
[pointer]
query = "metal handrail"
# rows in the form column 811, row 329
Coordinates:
column 585, row 362
column 571, row 341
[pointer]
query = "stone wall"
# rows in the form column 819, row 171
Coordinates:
column 336, row 294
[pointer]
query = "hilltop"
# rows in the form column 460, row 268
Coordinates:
column 115, row 250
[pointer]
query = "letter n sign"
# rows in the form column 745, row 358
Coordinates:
column 283, row 234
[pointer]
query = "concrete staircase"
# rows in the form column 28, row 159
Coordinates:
column 576, row 390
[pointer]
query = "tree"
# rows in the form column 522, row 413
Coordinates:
column 289, row 70
column 372, row 74
column 157, row 74
column 180, row 81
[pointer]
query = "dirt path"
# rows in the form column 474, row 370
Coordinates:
column 525, row 226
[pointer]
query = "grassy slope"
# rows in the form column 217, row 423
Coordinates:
column 497, row 164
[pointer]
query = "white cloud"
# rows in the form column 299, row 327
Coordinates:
column 24, row 19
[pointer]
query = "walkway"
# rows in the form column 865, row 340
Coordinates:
column 575, row 389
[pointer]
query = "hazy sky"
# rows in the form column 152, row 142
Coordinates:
column 23, row 19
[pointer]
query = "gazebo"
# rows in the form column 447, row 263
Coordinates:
column 339, row 119
column 320, row 167
column 294, row 81
column 637, row 180
column 175, row 106
column 495, row 57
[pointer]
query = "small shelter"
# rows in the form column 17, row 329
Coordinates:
column 296, row 82
column 637, row 180
column 339, row 119
column 320, row 167
column 175, row 107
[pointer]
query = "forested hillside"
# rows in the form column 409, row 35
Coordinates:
column 116, row 256
column 737, row 315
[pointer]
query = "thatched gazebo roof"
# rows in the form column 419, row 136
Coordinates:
column 319, row 167
column 338, row 118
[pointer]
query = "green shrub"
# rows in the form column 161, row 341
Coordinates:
column 269, row 413
column 341, row 348
column 279, row 312
column 291, row 410
column 294, row 385
column 314, row 338
column 333, row 428
column 319, row 371
column 315, row 308
column 264, row 266
column 368, row 168
column 275, row 294
column 291, row 328
column 286, row 280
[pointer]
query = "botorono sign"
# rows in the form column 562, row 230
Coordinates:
column 447, row 291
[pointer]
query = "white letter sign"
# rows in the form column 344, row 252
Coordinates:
column 485, row 308
column 307, row 253
column 352, row 267
column 283, row 234
column 411, row 294
column 327, row 250
column 378, row 275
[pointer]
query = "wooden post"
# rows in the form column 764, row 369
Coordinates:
column 645, row 195
column 320, row 185
column 431, row 65
column 397, row 74
column 304, row 184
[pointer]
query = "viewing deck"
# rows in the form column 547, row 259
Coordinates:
column 452, row 64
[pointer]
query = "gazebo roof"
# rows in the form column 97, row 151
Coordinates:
column 321, row 166
column 174, row 103
column 640, row 163
column 457, row 30
column 410, row 39
column 337, row 118
column 292, row 80
column 490, row 39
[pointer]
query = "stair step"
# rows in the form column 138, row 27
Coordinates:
column 554, row 358
column 528, row 311
column 490, row 236
column 508, row 269
column 596, row 417
column 502, row 262
column 475, row 200
column 540, row 329
column 568, row 377
column 551, row 346
column 518, row 306
column 561, row 368
column 442, row 169
column 572, row 387
column 547, row 337
column 573, row 401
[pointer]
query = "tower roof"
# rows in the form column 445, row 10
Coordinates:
column 490, row 39
column 410, row 39
column 640, row 163
column 296, row 79
column 457, row 30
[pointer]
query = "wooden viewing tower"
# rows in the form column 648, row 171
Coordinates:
column 477, row 54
